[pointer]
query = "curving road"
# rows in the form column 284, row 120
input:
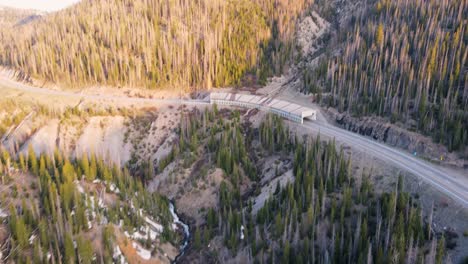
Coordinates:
column 6, row 82
column 450, row 182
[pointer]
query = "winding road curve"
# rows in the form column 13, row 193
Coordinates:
column 450, row 182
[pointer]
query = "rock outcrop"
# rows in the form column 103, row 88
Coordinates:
column 394, row 135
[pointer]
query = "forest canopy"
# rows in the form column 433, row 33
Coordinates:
column 155, row 43
column 405, row 60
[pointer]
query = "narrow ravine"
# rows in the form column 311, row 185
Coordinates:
column 185, row 227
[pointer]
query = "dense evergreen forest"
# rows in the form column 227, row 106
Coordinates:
column 324, row 215
column 155, row 43
column 70, row 211
column 405, row 60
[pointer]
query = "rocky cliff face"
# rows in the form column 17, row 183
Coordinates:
column 382, row 130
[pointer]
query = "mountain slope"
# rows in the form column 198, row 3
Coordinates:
column 10, row 17
column 405, row 60
column 155, row 43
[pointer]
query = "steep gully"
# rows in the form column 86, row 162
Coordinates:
column 185, row 228
column 450, row 182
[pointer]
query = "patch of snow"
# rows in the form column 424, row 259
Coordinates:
column 242, row 233
column 100, row 203
column 143, row 253
column 79, row 187
column 144, row 232
column 152, row 234
column 104, row 220
column 137, row 235
column 114, row 188
column 31, row 239
column 93, row 213
column 2, row 213
column 118, row 257
column 157, row 226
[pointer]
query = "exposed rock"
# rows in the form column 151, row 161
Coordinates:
column 309, row 30
column 44, row 140
column 394, row 135
column 104, row 136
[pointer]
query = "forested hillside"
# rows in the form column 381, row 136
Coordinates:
column 56, row 210
column 322, row 214
column 155, row 43
column 405, row 60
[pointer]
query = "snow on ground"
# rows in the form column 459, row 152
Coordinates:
column 3, row 213
column 31, row 239
column 114, row 188
column 100, row 203
column 143, row 253
column 79, row 187
column 92, row 215
column 118, row 256
column 155, row 225
column 152, row 230
column 143, row 233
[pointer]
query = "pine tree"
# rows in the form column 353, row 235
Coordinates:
column 85, row 166
column 379, row 36
column 32, row 160
column 197, row 239
column 69, row 253
column 85, row 250
column 440, row 250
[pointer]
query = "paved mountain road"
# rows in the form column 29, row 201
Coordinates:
column 6, row 82
column 450, row 182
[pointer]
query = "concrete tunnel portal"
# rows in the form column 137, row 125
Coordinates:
column 285, row 109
